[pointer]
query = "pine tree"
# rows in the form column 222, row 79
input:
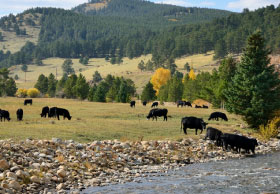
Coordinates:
column 42, row 84
column 148, row 93
column 69, row 86
column 11, row 87
column 67, row 67
column 123, row 95
column 255, row 89
column 92, row 92
column 51, row 85
column 175, row 91
column 81, row 88
column 96, row 77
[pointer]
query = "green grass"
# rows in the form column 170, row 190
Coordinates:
column 99, row 121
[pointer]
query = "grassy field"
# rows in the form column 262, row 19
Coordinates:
column 97, row 121
column 127, row 69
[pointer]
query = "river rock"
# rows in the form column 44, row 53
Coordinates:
column 60, row 186
column 4, row 164
column 14, row 185
column 35, row 179
column 11, row 175
column 61, row 173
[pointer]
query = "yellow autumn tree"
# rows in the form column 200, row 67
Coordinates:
column 160, row 77
column 192, row 75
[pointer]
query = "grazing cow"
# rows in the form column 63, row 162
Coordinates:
column 144, row 103
column 28, row 101
column 132, row 104
column 237, row 142
column 193, row 123
column 52, row 112
column 4, row 114
column 180, row 103
column 204, row 106
column 186, row 103
column 55, row 112
column 215, row 135
column 217, row 115
column 155, row 104
column 196, row 106
column 19, row 114
column 157, row 112
column 45, row 112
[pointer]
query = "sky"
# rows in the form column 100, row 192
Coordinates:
column 18, row 6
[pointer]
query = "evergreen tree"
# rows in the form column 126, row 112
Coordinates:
column 24, row 68
column 11, row 87
column 92, row 92
column 123, row 94
column 220, row 49
column 60, row 84
column 141, row 65
column 175, row 90
column 69, row 86
column 100, row 93
column 255, row 88
column 51, row 85
column 67, row 67
column 148, row 94
column 81, row 88
column 42, row 84
column 187, row 67
column 96, row 77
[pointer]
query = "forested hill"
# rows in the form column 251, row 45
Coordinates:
column 150, row 12
column 64, row 33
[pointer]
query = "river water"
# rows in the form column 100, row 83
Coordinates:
column 260, row 174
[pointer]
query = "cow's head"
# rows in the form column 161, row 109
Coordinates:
column 8, row 118
column 226, row 119
column 203, row 124
column 255, row 142
column 69, row 118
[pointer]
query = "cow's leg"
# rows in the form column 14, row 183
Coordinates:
column 185, row 130
column 201, row 131
column 57, row 116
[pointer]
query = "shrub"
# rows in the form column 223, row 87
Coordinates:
column 271, row 129
column 33, row 92
column 21, row 92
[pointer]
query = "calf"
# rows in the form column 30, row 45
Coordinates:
column 157, row 112
column 186, row 103
column 19, row 114
column 155, row 104
column 144, row 103
column 45, row 112
column 28, row 101
column 196, row 106
column 247, row 144
column 63, row 112
column 132, row 104
column 217, row 115
column 204, row 106
column 193, row 123
column 4, row 114
column 215, row 135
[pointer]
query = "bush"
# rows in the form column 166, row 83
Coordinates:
column 33, row 92
column 271, row 129
column 21, row 92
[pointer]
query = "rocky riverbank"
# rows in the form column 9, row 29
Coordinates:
column 56, row 166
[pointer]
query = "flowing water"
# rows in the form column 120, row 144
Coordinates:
column 260, row 174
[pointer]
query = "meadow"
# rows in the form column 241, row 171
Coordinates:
column 98, row 121
column 127, row 69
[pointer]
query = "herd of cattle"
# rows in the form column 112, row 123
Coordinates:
column 236, row 142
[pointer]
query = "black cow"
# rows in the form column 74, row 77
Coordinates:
column 144, row 103
column 186, row 103
column 132, row 104
column 215, row 135
column 193, row 123
column 4, row 114
column 19, row 114
column 52, row 112
column 45, row 112
column 204, row 106
column 155, row 104
column 217, row 115
column 196, row 106
column 28, row 101
column 180, row 103
column 55, row 112
column 157, row 112
column 238, row 142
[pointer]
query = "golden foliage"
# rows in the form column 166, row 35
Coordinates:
column 21, row 92
column 201, row 102
column 192, row 74
column 160, row 77
column 271, row 129
column 33, row 92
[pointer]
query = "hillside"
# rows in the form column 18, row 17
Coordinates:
column 149, row 12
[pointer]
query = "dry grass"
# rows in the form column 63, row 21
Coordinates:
column 99, row 121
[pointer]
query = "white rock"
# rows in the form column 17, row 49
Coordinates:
column 60, row 186
column 61, row 173
column 14, row 185
column 11, row 175
column 35, row 179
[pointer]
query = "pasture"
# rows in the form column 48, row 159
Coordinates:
column 98, row 121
